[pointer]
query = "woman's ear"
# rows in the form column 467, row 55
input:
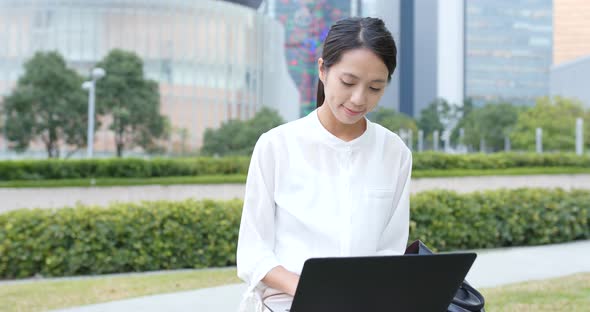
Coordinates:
column 321, row 70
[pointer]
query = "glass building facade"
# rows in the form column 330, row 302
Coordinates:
column 508, row 50
column 571, row 33
column 207, row 56
column 306, row 26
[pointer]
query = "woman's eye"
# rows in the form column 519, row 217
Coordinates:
column 346, row 83
column 375, row 89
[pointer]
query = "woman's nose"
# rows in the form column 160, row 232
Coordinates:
column 358, row 97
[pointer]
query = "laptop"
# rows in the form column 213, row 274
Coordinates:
column 408, row 283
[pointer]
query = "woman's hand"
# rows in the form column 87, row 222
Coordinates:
column 281, row 279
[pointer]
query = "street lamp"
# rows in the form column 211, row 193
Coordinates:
column 90, row 85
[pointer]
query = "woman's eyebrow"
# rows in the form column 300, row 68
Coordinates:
column 355, row 77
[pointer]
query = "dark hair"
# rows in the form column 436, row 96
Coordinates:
column 354, row 33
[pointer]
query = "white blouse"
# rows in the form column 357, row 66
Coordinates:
column 311, row 194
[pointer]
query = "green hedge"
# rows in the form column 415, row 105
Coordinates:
column 195, row 234
column 500, row 218
column 430, row 160
column 121, row 238
column 120, row 168
column 140, row 168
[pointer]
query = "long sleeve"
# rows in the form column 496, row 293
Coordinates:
column 255, row 256
column 394, row 238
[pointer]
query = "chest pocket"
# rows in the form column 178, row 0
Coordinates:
column 379, row 206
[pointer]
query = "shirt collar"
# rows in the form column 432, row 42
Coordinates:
column 336, row 142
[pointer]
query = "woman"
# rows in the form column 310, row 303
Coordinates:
column 331, row 183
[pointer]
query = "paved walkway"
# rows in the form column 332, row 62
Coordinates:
column 14, row 198
column 492, row 268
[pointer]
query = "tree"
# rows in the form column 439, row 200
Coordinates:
column 2, row 120
column 132, row 100
column 492, row 123
column 183, row 136
column 467, row 107
column 225, row 140
column 463, row 113
column 557, row 118
column 48, row 104
column 381, row 114
column 395, row 121
column 439, row 115
column 237, row 137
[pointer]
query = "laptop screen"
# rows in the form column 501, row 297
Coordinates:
column 386, row 283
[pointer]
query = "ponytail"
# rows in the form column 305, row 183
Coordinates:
column 321, row 96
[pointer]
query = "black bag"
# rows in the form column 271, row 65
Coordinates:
column 467, row 298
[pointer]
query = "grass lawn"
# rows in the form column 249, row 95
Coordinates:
column 241, row 179
column 497, row 172
column 217, row 179
column 55, row 294
column 571, row 293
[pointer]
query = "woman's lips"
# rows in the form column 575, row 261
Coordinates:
column 351, row 112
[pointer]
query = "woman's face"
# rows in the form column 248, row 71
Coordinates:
column 354, row 85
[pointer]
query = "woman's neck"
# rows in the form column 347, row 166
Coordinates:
column 342, row 131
